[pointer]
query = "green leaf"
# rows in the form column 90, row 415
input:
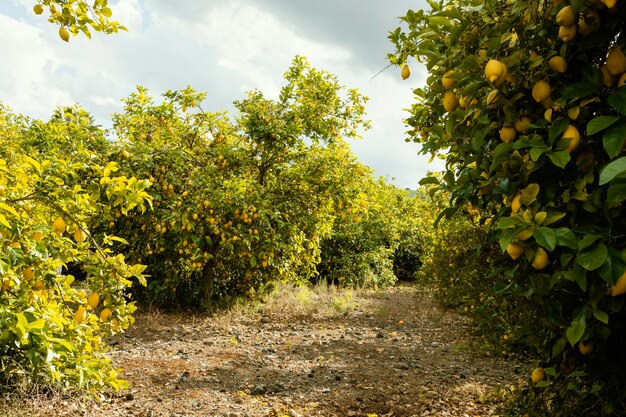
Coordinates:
column 560, row 158
column 600, row 123
column 576, row 329
column 429, row 180
column 530, row 193
column 613, row 140
column 601, row 316
column 545, row 237
column 617, row 100
column 617, row 191
column 565, row 237
column 612, row 170
column 593, row 257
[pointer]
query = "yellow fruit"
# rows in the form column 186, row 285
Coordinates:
column 80, row 236
column 514, row 250
column 558, row 63
column 608, row 78
column 93, row 300
column 6, row 284
column 29, row 273
column 406, row 72
column 495, row 71
column 622, row 80
column 516, row 204
column 620, row 287
column 524, row 235
column 59, row 225
column 616, row 61
column 589, row 23
column 567, row 33
column 446, row 81
column 507, row 134
column 64, row 34
column 521, row 125
column 541, row 260
column 541, row 91
column 450, row 101
column 464, row 102
column 80, row 315
column 573, row 135
column 585, row 348
column 609, row 3
column 38, row 236
column 538, row 375
column 115, row 325
column 38, row 9
column 492, row 98
column 39, row 285
column 566, row 16
column 105, row 314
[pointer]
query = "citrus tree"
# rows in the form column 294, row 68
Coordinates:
column 525, row 101
column 238, row 204
column 76, row 16
column 53, row 180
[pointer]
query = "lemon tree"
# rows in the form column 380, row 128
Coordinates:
column 54, row 179
column 525, row 102
column 78, row 16
column 238, row 204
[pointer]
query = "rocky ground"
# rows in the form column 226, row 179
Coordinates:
column 304, row 353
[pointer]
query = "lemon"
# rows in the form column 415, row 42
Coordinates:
column 589, row 23
column 80, row 236
column 514, row 250
column 558, row 64
column 59, row 225
column 607, row 77
column 93, row 300
column 495, row 71
column 538, row 375
column 38, row 236
column 620, row 287
column 567, row 33
column 541, row 91
column 29, row 273
column 516, row 204
column 464, row 102
column 39, row 285
column 571, row 133
column 406, row 72
column 80, row 315
column 507, row 134
column 622, row 80
column 540, row 261
column 616, row 61
column 585, row 348
column 609, row 3
column 38, row 9
column 521, row 125
column 115, row 325
column 64, row 34
column 105, row 314
column 566, row 16
column 450, row 101
column 446, row 81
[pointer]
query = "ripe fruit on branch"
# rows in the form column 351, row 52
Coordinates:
column 59, row 225
column 541, row 91
column 541, row 260
column 406, row 72
column 446, row 81
column 616, row 61
column 538, row 375
column 64, row 34
column 558, row 64
column 450, row 102
column 38, row 9
column 495, row 71
column 93, row 300
column 620, row 287
column 514, row 250
column 571, row 133
column 585, row 348
column 567, row 33
column 507, row 134
column 566, row 16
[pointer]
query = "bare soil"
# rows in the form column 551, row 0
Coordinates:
column 394, row 352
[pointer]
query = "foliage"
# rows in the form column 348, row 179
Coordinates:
column 52, row 183
column 537, row 144
column 238, row 205
column 75, row 16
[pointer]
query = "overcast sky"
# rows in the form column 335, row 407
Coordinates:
column 224, row 48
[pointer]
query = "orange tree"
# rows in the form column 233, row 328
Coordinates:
column 525, row 100
column 238, row 204
column 53, row 179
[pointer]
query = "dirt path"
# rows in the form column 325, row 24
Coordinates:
column 390, row 353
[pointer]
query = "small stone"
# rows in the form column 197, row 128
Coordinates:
column 258, row 390
column 265, row 319
column 380, row 335
column 129, row 396
column 326, row 390
column 294, row 413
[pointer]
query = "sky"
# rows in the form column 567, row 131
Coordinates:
column 223, row 48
